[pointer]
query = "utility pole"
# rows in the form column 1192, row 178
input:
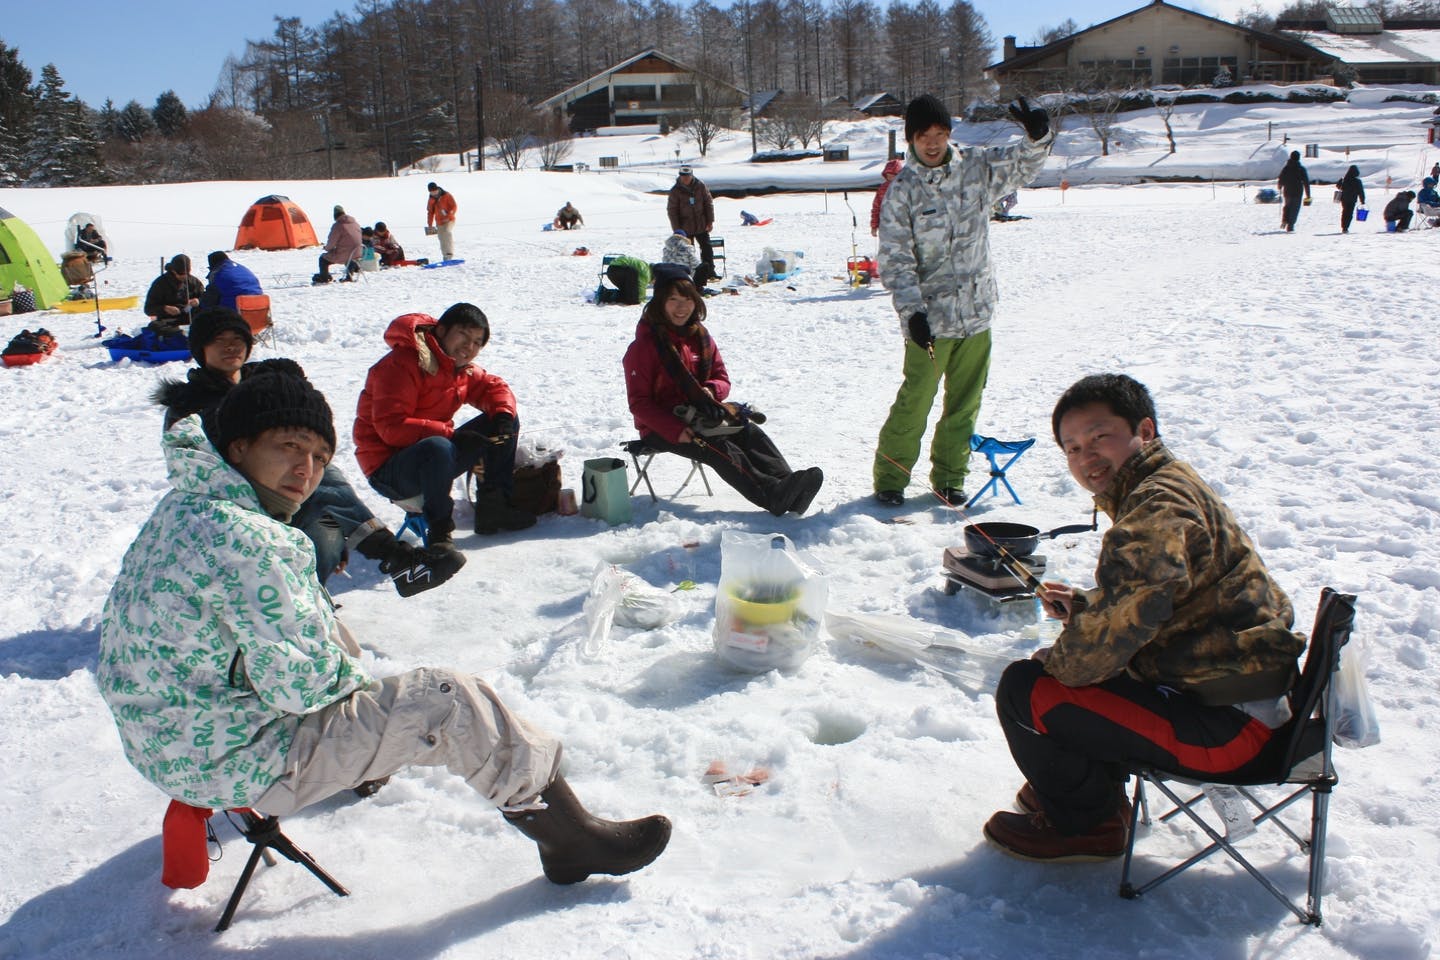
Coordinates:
column 754, row 143
column 480, row 117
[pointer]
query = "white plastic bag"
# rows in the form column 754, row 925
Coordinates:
column 1349, row 703
column 618, row 596
column 769, row 605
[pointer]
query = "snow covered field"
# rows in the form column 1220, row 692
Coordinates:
column 1298, row 373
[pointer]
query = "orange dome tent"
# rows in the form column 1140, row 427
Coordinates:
column 275, row 223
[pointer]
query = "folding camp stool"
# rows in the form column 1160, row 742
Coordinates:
column 263, row 833
column 639, row 448
column 994, row 450
column 1297, row 758
column 254, row 308
column 717, row 256
column 414, row 518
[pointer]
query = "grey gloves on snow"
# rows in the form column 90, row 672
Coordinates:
column 919, row 327
column 1034, row 119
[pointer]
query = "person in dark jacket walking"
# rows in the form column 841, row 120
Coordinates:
column 1352, row 191
column 1294, row 184
column 227, row 280
column 692, row 209
column 334, row 518
column 676, row 384
column 1180, row 656
column 172, row 296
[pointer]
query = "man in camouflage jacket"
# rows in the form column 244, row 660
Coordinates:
column 935, row 261
column 1178, row 657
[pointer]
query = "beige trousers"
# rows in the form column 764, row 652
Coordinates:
column 446, row 232
column 428, row 717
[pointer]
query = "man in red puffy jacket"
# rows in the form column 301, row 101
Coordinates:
column 405, row 438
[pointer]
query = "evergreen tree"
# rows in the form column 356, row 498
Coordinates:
column 17, row 108
column 134, row 123
column 169, row 114
column 63, row 150
column 107, row 121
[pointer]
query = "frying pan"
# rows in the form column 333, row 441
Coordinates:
column 1019, row 539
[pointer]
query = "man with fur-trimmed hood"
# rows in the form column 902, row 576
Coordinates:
column 405, row 438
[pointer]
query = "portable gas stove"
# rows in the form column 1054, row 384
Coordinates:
column 988, row 575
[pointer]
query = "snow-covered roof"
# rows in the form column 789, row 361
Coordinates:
column 1391, row 46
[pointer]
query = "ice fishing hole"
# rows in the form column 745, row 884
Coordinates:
column 833, row 729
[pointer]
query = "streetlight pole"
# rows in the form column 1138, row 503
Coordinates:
column 479, row 118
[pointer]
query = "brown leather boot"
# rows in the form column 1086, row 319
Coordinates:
column 574, row 844
column 1031, row 836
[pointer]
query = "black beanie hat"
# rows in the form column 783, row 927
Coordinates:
column 924, row 112
column 179, row 265
column 664, row 274
column 209, row 324
column 268, row 400
column 216, row 258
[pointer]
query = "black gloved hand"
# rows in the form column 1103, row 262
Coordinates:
column 500, row 427
column 919, row 327
column 1034, row 119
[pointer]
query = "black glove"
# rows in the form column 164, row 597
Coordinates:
column 500, row 428
column 919, row 327
column 1034, row 119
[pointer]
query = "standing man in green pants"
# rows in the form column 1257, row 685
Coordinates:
column 935, row 261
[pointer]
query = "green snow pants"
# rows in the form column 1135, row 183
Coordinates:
column 965, row 365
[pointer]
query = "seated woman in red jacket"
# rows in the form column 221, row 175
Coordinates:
column 677, row 384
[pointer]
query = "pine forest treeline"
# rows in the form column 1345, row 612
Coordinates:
column 396, row 81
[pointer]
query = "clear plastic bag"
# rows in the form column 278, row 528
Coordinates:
column 769, row 605
column 618, row 596
column 1349, row 705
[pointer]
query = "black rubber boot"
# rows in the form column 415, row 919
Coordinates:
column 494, row 513
column 412, row 570
column 574, row 844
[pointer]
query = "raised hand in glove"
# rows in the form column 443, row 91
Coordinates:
column 1034, row 119
column 919, row 327
column 500, row 428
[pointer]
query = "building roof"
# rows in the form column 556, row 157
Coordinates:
column 602, row 78
column 868, row 101
column 1025, row 56
column 1388, row 47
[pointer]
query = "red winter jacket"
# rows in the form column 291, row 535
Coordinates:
column 892, row 167
column 653, row 394
column 414, row 390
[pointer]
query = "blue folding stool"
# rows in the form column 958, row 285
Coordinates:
column 414, row 519
column 993, row 450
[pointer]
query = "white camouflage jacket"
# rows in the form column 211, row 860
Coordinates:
column 935, row 232
column 217, row 638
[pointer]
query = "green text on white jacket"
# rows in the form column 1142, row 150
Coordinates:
column 217, row 638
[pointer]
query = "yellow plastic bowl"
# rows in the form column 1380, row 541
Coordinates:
column 763, row 613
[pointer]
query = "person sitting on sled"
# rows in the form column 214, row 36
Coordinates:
column 237, row 686
column 387, row 248
column 1180, row 656
column 676, row 383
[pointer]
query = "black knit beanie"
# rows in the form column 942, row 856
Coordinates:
column 266, row 401
column 209, row 324
column 924, row 112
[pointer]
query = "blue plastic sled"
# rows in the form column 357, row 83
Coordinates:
column 146, row 347
column 442, row 263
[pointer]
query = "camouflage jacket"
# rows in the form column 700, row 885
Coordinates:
column 1181, row 596
column 935, row 232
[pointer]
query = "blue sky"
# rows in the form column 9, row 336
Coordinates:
column 136, row 49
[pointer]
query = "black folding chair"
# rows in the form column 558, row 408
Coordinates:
column 641, row 455
column 1296, row 759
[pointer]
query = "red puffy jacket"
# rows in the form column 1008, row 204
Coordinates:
column 653, row 394
column 414, row 391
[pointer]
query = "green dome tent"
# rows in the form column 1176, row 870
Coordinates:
column 24, row 260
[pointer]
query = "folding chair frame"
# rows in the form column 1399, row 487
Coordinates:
column 717, row 256
column 994, row 449
column 1303, row 758
column 265, row 834
column 638, row 449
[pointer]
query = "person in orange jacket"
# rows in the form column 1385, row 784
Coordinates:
column 440, row 219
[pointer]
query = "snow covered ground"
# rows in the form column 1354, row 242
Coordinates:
column 1297, row 372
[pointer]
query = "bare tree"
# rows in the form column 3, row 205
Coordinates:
column 555, row 143
column 512, row 125
column 1164, row 104
column 711, row 112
